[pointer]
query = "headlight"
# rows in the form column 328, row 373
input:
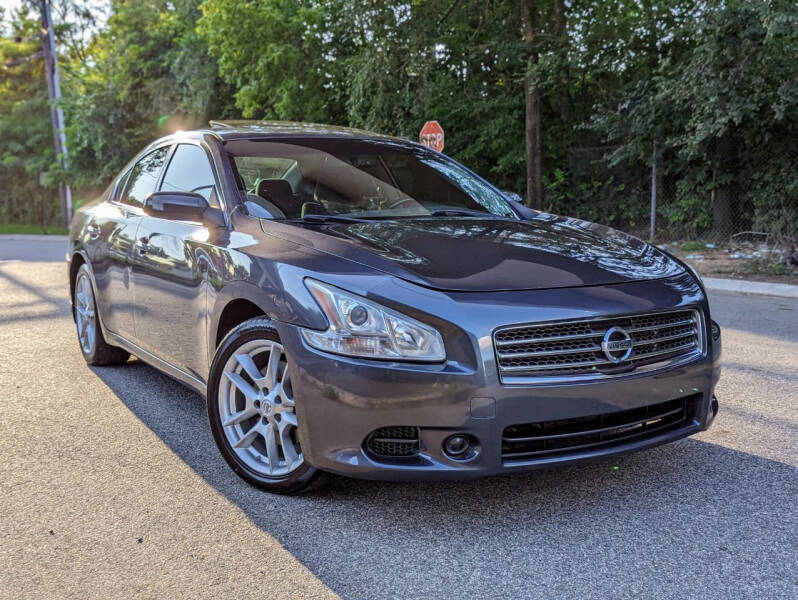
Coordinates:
column 359, row 327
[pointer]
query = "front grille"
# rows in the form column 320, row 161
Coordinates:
column 572, row 349
column 548, row 439
column 393, row 442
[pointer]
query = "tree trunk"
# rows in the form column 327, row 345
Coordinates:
column 534, row 163
column 722, row 196
column 722, row 224
column 563, row 74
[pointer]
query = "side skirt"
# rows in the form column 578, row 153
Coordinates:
column 160, row 364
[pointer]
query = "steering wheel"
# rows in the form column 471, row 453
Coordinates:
column 255, row 204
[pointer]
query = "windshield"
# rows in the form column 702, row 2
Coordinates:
column 359, row 179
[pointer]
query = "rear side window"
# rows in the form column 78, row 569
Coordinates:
column 119, row 190
column 144, row 177
column 190, row 171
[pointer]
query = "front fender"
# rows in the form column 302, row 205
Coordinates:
column 289, row 303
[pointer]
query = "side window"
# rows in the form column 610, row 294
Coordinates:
column 119, row 188
column 190, row 171
column 144, row 177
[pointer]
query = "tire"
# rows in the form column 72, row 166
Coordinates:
column 251, row 410
column 96, row 351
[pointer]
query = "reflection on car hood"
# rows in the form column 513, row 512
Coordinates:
column 490, row 254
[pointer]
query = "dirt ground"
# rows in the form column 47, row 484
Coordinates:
column 743, row 261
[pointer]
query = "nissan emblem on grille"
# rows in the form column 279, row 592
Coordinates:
column 616, row 344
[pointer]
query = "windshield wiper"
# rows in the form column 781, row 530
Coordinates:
column 448, row 212
column 456, row 212
column 314, row 218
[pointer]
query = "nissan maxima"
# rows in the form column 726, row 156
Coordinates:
column 358, row 304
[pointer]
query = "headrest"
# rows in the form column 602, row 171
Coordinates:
column 275, row 190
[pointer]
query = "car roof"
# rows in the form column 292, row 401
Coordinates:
column 231, row 130
column 253, row 130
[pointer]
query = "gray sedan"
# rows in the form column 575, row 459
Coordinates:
column 357, row 304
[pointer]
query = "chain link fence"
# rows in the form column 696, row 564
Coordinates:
column 742, row 224
column 723, row 214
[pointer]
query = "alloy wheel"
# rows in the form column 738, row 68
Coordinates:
column 257, row 410
column 85, row 315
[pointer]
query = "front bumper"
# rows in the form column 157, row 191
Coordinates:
column 342, row 400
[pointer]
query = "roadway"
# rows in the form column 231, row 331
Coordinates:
column 111, row 486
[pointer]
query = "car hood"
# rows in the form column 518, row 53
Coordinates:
column 467, row 254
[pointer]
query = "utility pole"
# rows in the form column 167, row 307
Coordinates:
column 56, row 112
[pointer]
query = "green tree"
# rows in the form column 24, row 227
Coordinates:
column 146, row 74
column 386, row 66
column 272, row 53
column 26, row 137
column 595, row 83
column 724, row 112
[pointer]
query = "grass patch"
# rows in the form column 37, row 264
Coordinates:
column 692, row 247
column 27, row 229
column 760, row 266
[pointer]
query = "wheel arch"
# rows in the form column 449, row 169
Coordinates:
column 241, row 300
column 233, row 314
column 237, row 302
column 77, row 260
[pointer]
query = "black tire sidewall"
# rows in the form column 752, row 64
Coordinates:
column 258, row 328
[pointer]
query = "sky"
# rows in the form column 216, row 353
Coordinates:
column 15, row 3
column 9, row 4
column 98, row 7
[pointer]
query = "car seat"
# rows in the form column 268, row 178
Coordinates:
column 279, row 193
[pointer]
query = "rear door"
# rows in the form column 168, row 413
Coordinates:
column 169, row 270
column 116, row 224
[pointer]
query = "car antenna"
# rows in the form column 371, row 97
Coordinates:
column 221, row 124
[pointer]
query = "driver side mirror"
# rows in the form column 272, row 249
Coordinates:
column 182, row 206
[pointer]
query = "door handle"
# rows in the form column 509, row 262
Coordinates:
column 93, row 231
column 142, row 246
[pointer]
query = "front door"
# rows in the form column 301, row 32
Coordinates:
column 169, row 271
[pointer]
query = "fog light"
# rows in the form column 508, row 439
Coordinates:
column 456, row 445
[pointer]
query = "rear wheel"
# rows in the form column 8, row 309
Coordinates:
column 96, row 351
column 251, row 409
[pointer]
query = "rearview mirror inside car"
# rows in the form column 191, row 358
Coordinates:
column 513, row 197
column 517, row 202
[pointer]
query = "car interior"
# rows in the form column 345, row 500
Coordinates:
column 282, row 180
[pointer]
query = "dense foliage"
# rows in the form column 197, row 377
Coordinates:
column 712, row 85
column 26, row 139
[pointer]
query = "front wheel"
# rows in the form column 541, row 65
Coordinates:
column 251, row 409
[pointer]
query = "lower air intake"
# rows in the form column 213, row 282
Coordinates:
column 393, row 442
column 547, row 439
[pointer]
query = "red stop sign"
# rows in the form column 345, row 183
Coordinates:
column 432, row 135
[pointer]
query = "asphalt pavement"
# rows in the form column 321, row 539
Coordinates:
column 111, row 486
